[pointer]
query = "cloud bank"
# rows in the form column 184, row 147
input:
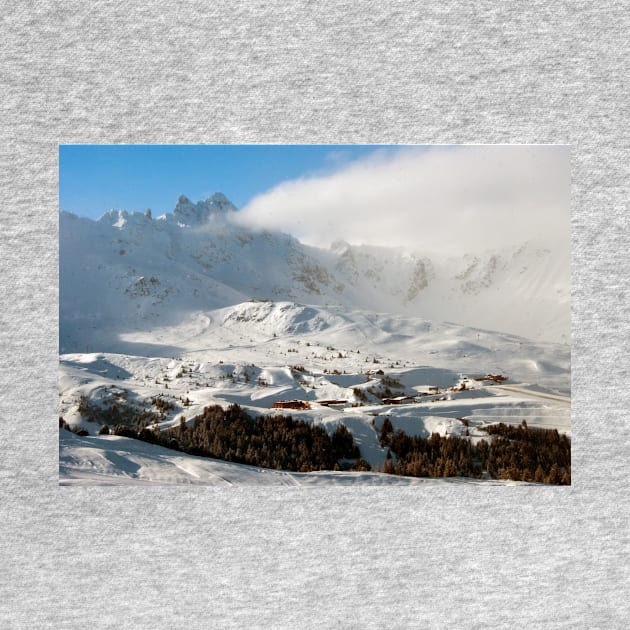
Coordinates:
column 435, row 199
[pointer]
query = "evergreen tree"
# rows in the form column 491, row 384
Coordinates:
column 386, row 432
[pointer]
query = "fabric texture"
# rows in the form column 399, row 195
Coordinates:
column 326, row 72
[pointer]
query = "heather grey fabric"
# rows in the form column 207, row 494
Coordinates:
column 230, row 72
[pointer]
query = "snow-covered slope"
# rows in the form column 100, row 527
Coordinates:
column 116, row 460
column 522, row 290
column 129, row 271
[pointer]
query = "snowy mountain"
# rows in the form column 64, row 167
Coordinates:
column 171, row 315
column 128, row 271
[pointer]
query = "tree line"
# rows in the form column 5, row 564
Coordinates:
column 278, row 442
column 519, row 453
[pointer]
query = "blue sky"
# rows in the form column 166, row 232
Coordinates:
column 416, row 197
column 96, row 178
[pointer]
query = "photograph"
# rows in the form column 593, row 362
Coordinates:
column 331, row 301
column 314, row 315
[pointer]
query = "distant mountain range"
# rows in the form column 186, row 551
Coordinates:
column 131, row 271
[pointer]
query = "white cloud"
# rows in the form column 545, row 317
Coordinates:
column 448, row 199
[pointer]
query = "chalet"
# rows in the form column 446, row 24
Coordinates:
column 328, row 403
column 497, row 378
column 399, row 400
column 426, row 390
column 291, row 404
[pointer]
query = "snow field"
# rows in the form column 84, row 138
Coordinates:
column 331, row 363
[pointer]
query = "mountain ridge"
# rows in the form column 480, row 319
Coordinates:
column 129, row 270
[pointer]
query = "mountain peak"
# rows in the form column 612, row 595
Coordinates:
column 190, row 212
column 220, row 201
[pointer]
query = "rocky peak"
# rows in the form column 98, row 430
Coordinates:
column 193, row 213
